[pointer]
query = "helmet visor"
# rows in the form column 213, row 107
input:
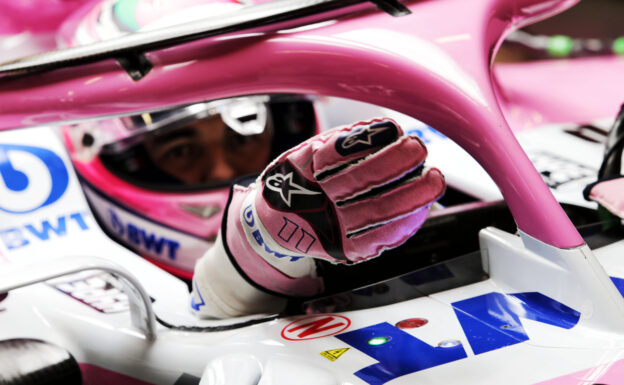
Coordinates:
column 195, row 145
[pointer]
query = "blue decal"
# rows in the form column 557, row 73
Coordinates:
column 116, row 224
column 426, row 133
column 402, row 353
column 195, row 305
column 46, row 227
column 13, row 238
column 17, row 237
column 17, row 181
column 249, row 217
column 142, row 239
column 250, row 222
column 492, row 321
column 79, row 219
column 619, row 284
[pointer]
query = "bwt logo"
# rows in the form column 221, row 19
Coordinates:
column 32, row 178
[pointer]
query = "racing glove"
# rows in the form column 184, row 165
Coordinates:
column 343, row 196
column 609, row 194
column 608, row 190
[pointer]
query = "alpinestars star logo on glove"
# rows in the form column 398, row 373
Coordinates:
column 284, row 185
column 366, row 136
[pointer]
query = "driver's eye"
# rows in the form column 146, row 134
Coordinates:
column 181, row 154
column 179, row 151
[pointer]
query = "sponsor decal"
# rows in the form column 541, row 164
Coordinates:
column 259, row 242
column 44, row 230
column 143, row 239
column 479, row 315
column 619, row 284
column 102, row 292
column 334, row 354
column 313, row 327
column 390, row 345
column 197, row 300
column 32, row 178
column 490, row 321
column 426, row 134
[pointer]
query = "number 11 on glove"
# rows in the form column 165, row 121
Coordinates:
column 343, row 196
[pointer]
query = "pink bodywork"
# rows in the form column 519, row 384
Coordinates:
column 35, row 16
column 435, row 69
column 579, row 90
column 611, row 373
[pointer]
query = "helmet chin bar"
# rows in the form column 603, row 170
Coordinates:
column 141, row 312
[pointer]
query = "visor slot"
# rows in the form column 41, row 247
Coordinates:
column 136, row 65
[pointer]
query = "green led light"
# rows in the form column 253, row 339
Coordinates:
column 560, row 46
column 125, row 10
column 618, row 46
column 378, row 341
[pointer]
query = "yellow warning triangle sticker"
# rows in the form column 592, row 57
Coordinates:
column 334, row 354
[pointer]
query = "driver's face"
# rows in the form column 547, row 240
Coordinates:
column 207, row 151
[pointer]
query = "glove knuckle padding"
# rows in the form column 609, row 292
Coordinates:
column 349, row 193
column 376, row 170
column 412, row 196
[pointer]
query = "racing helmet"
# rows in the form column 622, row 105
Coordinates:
column 158, row 182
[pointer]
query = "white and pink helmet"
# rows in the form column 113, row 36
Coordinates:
column 158, row 182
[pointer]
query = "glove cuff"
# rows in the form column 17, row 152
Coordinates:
column 255, row 255
column 219, row 291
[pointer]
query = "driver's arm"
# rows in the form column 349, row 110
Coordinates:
column 343, row 196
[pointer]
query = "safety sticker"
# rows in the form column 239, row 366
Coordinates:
column 334, row 354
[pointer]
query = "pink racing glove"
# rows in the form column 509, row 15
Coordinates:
column 609, row 193
column 343, row 196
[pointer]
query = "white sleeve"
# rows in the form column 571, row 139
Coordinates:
column 219, row 291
